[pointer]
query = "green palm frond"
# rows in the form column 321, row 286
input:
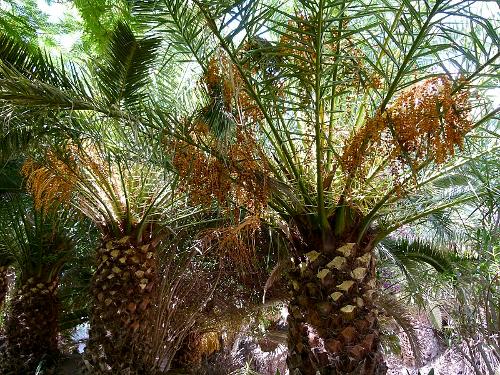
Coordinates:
column 127, row 67
column 33, row 63
column 185, row 52
column 13, row 142
column 408, row 254
column 440, row 191
column 31, row 81
column 122, row 194
column 182, row 24
column 30, row 78
column 37, row 241
column 11, row 179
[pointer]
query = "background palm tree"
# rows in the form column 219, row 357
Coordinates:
column 39, row 243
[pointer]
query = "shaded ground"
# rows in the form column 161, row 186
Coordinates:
column 265, row 356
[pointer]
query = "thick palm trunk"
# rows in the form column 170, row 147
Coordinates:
column 124, row 288
column 4, row 284
column 190, row 352
column 333, row 327
column 31, row 328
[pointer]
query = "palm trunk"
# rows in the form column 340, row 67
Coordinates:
column 190, row 352
column 4, row 284
column 31, row 328
column 333, row 326
column 124, row 288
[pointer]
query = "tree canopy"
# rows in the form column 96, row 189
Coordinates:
column 338, row 157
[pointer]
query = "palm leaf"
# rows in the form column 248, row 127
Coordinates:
column 11, row 179
column 29, row 78
column 396, row 310
column 406, row 253
column 32, row 63
column 127, row 67
column 183, row 26
column 37, row 241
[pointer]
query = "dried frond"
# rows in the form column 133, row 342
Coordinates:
column 277, row 273
column 210, row 342
column 395, row 310
column 238, row 242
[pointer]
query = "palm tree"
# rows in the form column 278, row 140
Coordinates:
column 118, row 180
column 328, row 112
column 128, row 202
column 6, row 262
column 38, row 246
column 323, row 114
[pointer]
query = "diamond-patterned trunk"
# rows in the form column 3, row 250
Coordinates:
column 31, row 328
column 333, row 326
column 124, row 288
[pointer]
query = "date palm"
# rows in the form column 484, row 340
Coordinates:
column 329, row 113
column 324, row 114
column 38, row 244
column 121, row 194
column 131, row 204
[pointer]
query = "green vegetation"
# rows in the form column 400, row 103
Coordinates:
column 184, row 168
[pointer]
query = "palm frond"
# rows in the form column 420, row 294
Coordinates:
column 99, row 19
column 13, row 142
column 31, row 62
column 29, row 78
column 11, row 179
column 127, row 67
column 183, row 26
column 37, row 241
column 406, row 253
column 396, row 310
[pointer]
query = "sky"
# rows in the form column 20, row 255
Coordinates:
column 56, row 11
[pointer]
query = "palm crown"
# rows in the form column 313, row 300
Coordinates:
column 342, row 109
